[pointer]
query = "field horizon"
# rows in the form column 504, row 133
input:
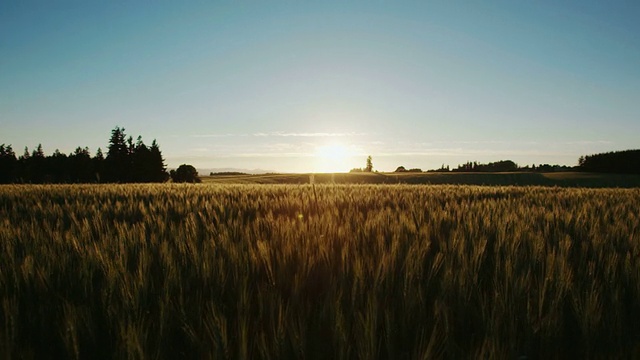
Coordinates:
column 561, row 179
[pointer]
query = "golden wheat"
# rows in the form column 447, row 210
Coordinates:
column 322, row 271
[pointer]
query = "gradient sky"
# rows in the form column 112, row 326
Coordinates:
column 266, row 84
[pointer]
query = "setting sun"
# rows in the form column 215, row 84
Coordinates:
column 332, row 158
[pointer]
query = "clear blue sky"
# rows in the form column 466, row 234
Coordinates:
column 270, row 84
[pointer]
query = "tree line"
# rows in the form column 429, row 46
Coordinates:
column 502, row 166
column 126, row 161
column 620, row 162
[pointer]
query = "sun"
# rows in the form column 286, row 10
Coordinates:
column 332, row 158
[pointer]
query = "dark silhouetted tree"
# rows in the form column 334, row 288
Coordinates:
column 98, row 165
column 185, row 173
column 36, row 165
column 148, row 164
column 369, row 166
column 133, row 162
column 157, row 169
column 118, row 162
column 141, row 161
column 26, row 154
column 130, row 147
column 8, row 164
column 23, row 169
column 58, row 168
column 80, row 166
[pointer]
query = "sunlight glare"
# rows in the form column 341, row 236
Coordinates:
column 332, row 158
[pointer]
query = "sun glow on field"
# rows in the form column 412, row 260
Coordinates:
column 332, row 158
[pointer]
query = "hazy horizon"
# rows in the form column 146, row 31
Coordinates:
column 302, row 87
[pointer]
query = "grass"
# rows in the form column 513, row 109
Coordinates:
column 335, row 271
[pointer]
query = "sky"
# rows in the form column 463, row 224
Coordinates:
column 302, row 86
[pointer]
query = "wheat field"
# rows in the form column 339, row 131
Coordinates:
column 318, row 271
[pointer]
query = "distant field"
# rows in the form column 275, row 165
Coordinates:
column 566, row 179
column 318, row 272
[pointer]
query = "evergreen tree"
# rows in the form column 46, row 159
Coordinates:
column 58, row 168
column 36, row 165
column 140, row 161
column 117, row 143
column 22, row 173
column 157, row 168
column 130, row 147
column 38, row 152
column 117, row 163
column 26, row 154
column 80, row 166
column 99, row 155
column 98, row 165
column 8, row 164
